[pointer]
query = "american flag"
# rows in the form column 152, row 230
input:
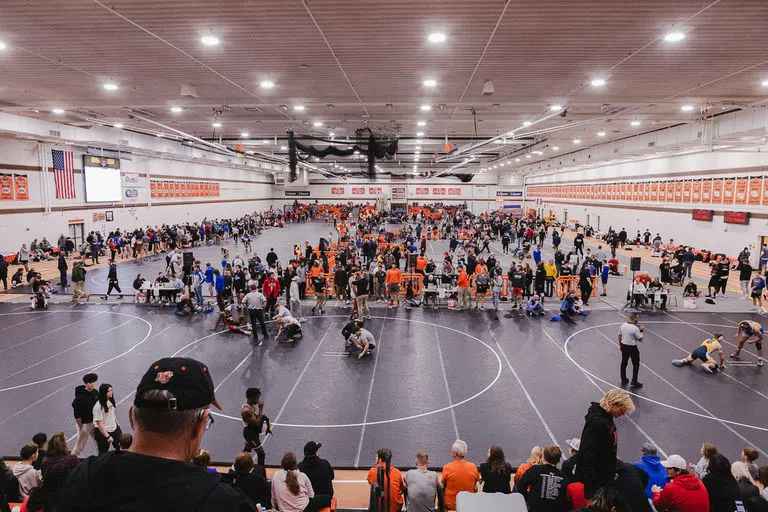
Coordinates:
column 64, row 173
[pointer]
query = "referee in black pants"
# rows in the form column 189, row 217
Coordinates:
column 630, row 334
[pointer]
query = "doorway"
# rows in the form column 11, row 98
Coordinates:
column 77, row 233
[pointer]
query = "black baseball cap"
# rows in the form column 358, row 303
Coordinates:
column 187, row 379
column 311, row 448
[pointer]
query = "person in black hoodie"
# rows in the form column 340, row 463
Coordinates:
column 63, row 267
column 86, row 397
column 599, row 441
column 319, row 471
column 169, row 416
column 631, row 482
column 250, row 479
column 722, row 487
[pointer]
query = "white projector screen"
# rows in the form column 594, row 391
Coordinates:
column 102, row 184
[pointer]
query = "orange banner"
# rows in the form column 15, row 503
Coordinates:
column 706, row 190
column 755, row 190
column 663, row 191
column 687, row 185
column 729, row 187
column 717, row 190
column 678, row 191
column 740, row 196
column 22, row 187
column 696, row 191
column 6, row 187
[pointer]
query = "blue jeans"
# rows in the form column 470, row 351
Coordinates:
column 199, row 295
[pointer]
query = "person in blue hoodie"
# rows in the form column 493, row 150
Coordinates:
column 651, row 464
column 537, row 254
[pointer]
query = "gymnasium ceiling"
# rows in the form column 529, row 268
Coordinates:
column 362, row 63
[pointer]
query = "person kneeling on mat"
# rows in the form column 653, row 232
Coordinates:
column 362, row 339
column 570, row 305
column 291, row 326
column 704, row 353
column 534, row 306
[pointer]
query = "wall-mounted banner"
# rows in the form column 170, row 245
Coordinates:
column 358, row 191
column 374, row 190
column 337, row 191
column 297, row 193
column 131, row 193
column 130, row 179
column 6, row 187
column 509, row 193
column 438, row 191
column 163, row 189
column 398, row 193
column 422, row 191
column 454, row 191
column 21, row 183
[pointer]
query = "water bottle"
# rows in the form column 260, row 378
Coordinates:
column 258, row 507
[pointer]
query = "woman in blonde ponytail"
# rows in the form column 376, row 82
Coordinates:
column 292, row 491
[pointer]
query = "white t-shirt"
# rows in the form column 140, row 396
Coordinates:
column 630, row 334
column 107, row 418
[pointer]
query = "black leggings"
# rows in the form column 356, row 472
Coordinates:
column 103, row 444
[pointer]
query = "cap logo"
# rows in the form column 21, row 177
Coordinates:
column 163, row 377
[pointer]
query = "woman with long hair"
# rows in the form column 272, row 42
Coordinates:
column 496, row 472
column 57, row 454
column 107, row 430
column 292, row 491
column 722, row 487
column 537, row 457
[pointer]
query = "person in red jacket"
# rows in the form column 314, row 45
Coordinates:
column 684, row 493
column 271, row 292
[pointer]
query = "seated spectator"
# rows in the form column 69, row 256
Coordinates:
column 319, row 471
column 250, row 479
column 44, row 498
column 607, row 499
column 24, row 471
column 684, row 492
column 459, row 475
column 292, row 491
column 701, row 468
column 422, row 485
column 395, row 479
column 691, row 290
column 58, row 454
column 760, row 504
column 631, row 482
column 125, row 441
column 40, row 439
column 202, row 459
column 496, row 473
column 722, row 487
column 569, row 465
column 170, row 414
column 749, row 455
column 537, row 457
column 747, row 487
column 651, row 464
column 543, row 486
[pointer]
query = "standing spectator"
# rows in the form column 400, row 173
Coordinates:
column 569, row 465
column 170, row 414
column 722, row 488
column 78, row 281
column 585, row 284
column 254, row 302
column 250, row 479
column 112, row 281
column 63, row 267
column 459, row 475
column 630, row 334
column 393, row 280
column 272, row 292
column 749, row 455
column 745, row 276
column 465, row 291
column 599, row 440
column 57, row 454
column 688, row 259
column 295, row 301
column 422, row 485
column 651, row 464
column 318, row 283
column 684, row 492
column 252, row 414
column 319, row 471
column 756, row 288
column 24, row 471
column 395, row 482
column 86, row 397
column 543, row 486
column 107, row 430
column 496, row 473
column 22, row 258
column 605, row 271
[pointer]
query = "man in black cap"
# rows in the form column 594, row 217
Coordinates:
column 170, row 414
column 318, row 470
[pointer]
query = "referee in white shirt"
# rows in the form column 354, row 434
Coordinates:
column 630, row 334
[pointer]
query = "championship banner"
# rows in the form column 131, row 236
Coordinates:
column 706, row 190
column 337, row 191
column 374, row 191
column 21, row 183
column 678, row 194
column 663, row 191
column 687, row 185
column 696, row 191
column 729, row 191
column 438, row 191
column 655, row 191
column 358, row 190
column 6, row 187
column 454, row 191
column 717, row 191
column 740, row 196
column 755, row 190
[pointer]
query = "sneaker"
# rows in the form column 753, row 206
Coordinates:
column 760, row 362
column 624, row 383
column 677, row 362
column 754, row 308
column 707, row 368
column 636, row 385
column 735, row 355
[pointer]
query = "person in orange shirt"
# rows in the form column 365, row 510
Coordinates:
column 464, row 289
column 315, row 270
column 421, row 263
column 459, row 475
column 394, row 278
column 537, row 457
column 395, row 479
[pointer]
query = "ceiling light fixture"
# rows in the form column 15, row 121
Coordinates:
column 267, row 84
column 437, row 37
column 217, row 124
column 421, row 123
column 419, row 134
column 555, row 148
column 517, row 159
column 58, row 111
column 3, row 46
column 245, row 135
column 285, row 148
column 526, row 123
column 577, row 141
column 429, row 82
column 555, row 108
column 687, row 108
column 209, row 40
column 426, row 108
column 418, row 148
column 635, row 123
column 110, row 86
column 601, row 133
column 317, row 124
column 597, row 82
column 177, row 109
column 118, row 125
column 527, row 156
column 298, row 108
column 765, row 83
column 674, row 36
column 331, row 135
column 264, row 141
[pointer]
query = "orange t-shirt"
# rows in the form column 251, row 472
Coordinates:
column 421, row 263
column 459, row 475
column 394, row 276
column 479, row 268
column 522, row 468
column 463, row 280
column 315, row 271
column 395, row 488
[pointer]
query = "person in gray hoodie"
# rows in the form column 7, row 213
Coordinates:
column 651, row 464
column 28, row 477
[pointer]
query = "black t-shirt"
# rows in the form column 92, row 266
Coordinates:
column 127, row 482
column 543, row 487
column 494, row 481
column 362, row 286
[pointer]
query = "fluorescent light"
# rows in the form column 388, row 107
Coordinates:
column 687, row 108
column 426, row 108
column 437, row 37
column 674, row 37
column 245, row 135
column 58, row 111
column 419, row 134
column 356, row 152
column 555, row 108
column 597, row 82
column 110, row 86
column 265, row 141
column 3, row 46
column 495, row 166
column 209, row 40
column 267, row 84
column 417, row 152
column 526, row 123
column 577, row 141
column 421, row 123
column 765, row 83
column 283, row 148
column 217, row 124
column 298, row 108
column 601, row 133
column 430, row 82
column 555, row 148
column 317, row 124
column 635, row 123
column 331, row 135
column 527, row 156
column 418, row 148
column 118, row 125
column 176, row 109
column 517, row 159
